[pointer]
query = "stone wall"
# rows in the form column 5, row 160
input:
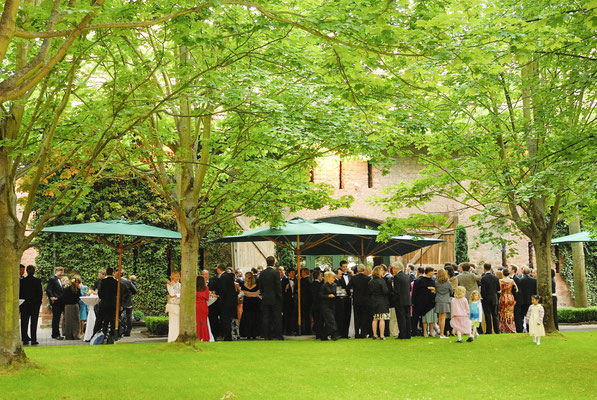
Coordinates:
column 355, row 181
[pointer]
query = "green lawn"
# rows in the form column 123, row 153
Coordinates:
column 497, row 366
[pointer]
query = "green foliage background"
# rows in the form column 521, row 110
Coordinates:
column 566, row 270
column 151, row 262
column 461, row 245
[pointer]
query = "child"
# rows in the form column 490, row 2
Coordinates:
column 534, row 319
column 461, row 323
column 476, row 312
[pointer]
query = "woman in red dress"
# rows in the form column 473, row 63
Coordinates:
column 202, row 296
column 506, row 304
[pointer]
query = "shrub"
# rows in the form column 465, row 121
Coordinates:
column 572, row 315
column 138, row 315
column 461, row 245
column 157, row 325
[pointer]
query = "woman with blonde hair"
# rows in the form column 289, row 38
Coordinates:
column 380, row 307
column 173, row 306
column 327, row 296
column 250, row 321
column 70, row 298
column 443, row 288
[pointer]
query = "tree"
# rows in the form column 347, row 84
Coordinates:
column 503, row 118
column 236, row 134
column 45, row 46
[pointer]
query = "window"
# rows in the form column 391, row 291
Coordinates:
column 369, row 175
column 340, row 177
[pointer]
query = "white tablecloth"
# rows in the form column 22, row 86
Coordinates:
column 90, row 301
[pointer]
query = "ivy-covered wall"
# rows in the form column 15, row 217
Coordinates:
column 151, row 262
column 566, row 270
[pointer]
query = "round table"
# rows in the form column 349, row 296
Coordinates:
column 90, row 301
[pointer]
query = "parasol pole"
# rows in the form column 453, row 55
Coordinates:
column 298, row 271
column 120, row 251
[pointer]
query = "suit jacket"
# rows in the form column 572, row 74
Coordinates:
column 107, row 292
column 343, row 284
column 54, row 287
column 289, row 297
column 527, row 287
column 306, row 295
column 228, row 294
column 127, row 290
column 401, row 290
column 517, row 294
column 269, row 285
column 469, row 281
column 359, row 285
column 490, row 285
column 315, row 292
column 31, row 291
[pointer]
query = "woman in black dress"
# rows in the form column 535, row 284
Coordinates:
column 251, row 317
column 71, row 322
column 327, row 296
column 380, row 305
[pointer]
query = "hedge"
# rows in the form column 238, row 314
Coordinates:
column 574, row 315
column 157, row 325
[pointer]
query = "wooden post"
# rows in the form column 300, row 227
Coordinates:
column 298, row 272
column 120, row 251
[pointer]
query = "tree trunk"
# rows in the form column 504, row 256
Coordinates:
column 543, row 255
column 11, row 349
column 578, row 262
column 188, row 274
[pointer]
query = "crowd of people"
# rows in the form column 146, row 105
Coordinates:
column 64, row 296
column 359, row 302
column 365, row 302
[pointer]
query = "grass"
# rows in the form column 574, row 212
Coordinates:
column 496, row 366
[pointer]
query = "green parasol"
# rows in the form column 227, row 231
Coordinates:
column 120, row 227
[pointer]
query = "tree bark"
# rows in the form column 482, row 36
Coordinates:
column 578, row 262
column 189, row 260
column 542, row 247
column 11, row 349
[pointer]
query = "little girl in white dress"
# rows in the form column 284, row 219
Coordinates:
column 534, row 319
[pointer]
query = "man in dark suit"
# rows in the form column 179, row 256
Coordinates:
column 306, row 302
column 518, row 317
column 316, row 307
column 528, row 288
column 359, row 286
column 215, row 309
column 490, row 286
column 107, row 305
column 345, row 301
column 228, row 298
column 127, row 290
column 54, row 290
column 402, row 301
column 31, row 291
column 289, row 303
column 271, row 301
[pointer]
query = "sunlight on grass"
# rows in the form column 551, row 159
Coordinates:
column 504, row 366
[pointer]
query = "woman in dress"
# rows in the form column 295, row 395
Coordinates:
column 201, row 309
column 380, row 307
column 327, row 296
column 250, row 321
column 506, row 303
column 173, row 306
column 71, row 320
column 83, row 310
column 443, row 298
column 424, row 300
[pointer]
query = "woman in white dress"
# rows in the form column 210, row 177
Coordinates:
column 173, row 306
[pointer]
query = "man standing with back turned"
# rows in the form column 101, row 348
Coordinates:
column 271, row 293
